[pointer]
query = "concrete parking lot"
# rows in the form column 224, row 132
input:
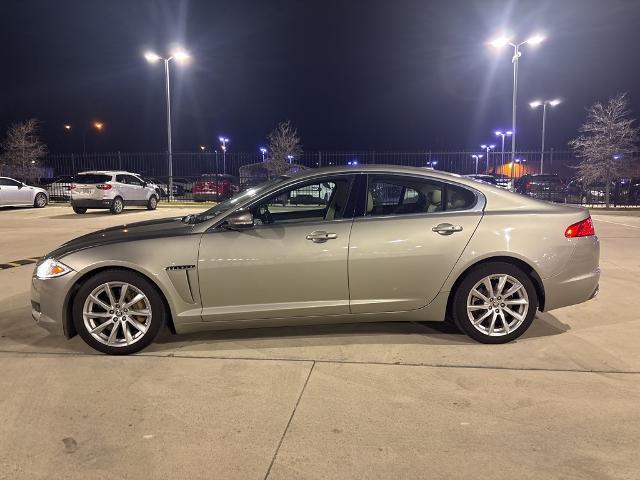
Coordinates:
column 388, row 400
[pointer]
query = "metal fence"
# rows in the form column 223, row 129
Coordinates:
column 189, row 168
column 195, row 164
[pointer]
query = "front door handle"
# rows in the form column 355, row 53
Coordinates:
column 321, row 236
column 446, row 228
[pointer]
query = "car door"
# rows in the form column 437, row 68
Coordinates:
column 138, row 191
column 292, row 263
column 407, row 239
column 10, row 192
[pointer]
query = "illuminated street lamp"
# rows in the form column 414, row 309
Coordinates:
column 504, row 41
column 290, row 158
column 500, row 133
column 487, row 148
column 476, row 158
column 67, row 127
column 98, row 126
column 179, row 55
column 223, row 146
column 263, row 151
column 543, row 103
column 203, row 148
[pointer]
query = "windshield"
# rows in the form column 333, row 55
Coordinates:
column 232, row 202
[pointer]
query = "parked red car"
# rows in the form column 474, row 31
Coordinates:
column 214, row 187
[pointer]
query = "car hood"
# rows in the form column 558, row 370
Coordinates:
column 166, row 227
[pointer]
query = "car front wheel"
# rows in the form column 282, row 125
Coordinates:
column 495, row 303
column 40, row 201
column 80, row 210
column 118, row 312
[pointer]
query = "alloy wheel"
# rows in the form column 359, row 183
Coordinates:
column 497, row 305
column 117, row 314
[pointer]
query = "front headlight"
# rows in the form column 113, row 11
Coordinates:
column 51, row 268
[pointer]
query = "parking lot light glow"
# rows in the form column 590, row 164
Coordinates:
column 535, row 40
column 500, row 41
column 535, row 103
column 67, row 126
column 98, row 125
column 152, row 57
column 181, row 55
column 544, row 104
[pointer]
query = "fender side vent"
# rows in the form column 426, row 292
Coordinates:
column 180, row 267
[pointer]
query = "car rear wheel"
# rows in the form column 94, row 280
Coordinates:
column 80, row 210
column 495, row 303
column 117, row 206
column 152, row 203
column 40, row 201
column 118, row 312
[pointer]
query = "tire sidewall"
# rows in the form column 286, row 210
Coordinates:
column 459, row 306
column 113, row 205
column 153, row 203
column 38, row 196
column 157, row 309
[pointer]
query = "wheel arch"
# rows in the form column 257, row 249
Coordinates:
column 69, row 327
column 517, row 262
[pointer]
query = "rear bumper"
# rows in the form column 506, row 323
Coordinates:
column 579, row 281
column 90, row 203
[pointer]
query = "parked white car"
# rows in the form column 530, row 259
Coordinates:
column 111, row 190
column 14, row 193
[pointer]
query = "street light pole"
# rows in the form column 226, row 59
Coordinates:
column 476, row 158
column 502, row 134
column 223, row 146
column 487, row 148
column 544, row 104
column 179, row 55
column 500, row 42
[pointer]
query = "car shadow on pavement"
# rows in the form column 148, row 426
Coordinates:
column 15, row 337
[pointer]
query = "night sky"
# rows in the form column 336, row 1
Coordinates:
column 351, row 75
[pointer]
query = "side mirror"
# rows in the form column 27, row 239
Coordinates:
column 240, row 220
column 20, row 185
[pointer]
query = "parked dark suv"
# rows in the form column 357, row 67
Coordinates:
column 542, row 186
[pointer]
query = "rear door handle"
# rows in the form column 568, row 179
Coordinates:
column 321, row 236
column 446, row 228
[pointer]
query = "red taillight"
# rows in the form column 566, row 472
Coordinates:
column 104, row 186
column 583, row 228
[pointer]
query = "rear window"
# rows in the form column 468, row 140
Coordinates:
column 546, row 179
column 93, row 178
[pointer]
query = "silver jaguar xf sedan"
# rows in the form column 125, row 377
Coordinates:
column 369, row 243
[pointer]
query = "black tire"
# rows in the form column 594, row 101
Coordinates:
column 152, row 203
column 117, row 206
column 459, row 303
column 40, row 200
column 158, row 313
column 80, row 210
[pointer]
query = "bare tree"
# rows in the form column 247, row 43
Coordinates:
column 283, row 142
column 606, row 139
column 22, row 150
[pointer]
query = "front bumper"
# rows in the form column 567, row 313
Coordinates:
column 49, row 302
column 91, row 203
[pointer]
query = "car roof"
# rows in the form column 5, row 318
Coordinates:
column 107, row 172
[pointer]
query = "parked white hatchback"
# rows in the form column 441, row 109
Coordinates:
column 111, row 190
column 14, row 193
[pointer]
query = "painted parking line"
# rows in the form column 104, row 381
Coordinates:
column 19, row 263
column 616, row 223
